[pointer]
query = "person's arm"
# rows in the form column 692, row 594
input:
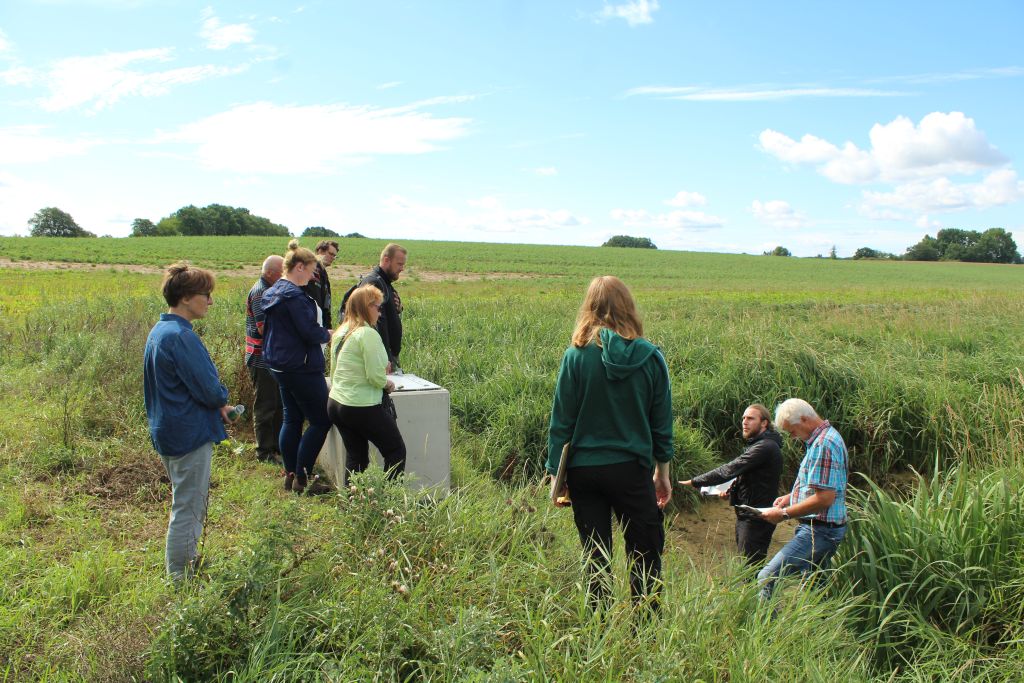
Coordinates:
column 304, row 316
column 564, row 412
column 660, row 415
column 375, row 358
column 258, row 314
column 819, row 501
column 194, row 366
column 753, row 457
column 662, row 483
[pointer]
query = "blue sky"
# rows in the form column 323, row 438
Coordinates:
column 728, row 126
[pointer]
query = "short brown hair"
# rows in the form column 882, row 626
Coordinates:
column 182, row 280
column 297, row 254
column 359, row 304
column 390, row 250
column 608, row 303
column 324, row 245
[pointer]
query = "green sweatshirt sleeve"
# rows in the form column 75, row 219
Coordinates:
column 661, row 412
column 564, row 412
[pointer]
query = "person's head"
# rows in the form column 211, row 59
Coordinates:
column 327, row 250
column 608, row 303
column 188, row 290
column 797, row 418
column 363, row 307
column 299, row 264
column 756, row 419
column 392, row 260
column 273, row 267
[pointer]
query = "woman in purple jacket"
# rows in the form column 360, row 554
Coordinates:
column 292, row 350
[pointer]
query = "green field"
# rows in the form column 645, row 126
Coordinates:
column 918, row 364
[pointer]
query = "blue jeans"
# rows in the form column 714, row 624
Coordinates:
column 303, row 397
column 190, row 489
column 810, row 549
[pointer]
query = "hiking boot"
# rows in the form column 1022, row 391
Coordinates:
column 289, row 481
column 318, row 487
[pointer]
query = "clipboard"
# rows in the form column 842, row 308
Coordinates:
column 559, row 493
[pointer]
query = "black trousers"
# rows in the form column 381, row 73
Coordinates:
column 361, row 425
column 753, row 536
column 627, row 490
column 267, row 413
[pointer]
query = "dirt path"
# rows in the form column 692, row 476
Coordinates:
column 338, row 272
column 708, row 536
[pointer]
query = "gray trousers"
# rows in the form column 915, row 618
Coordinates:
column 267, row 413
column 190, row 490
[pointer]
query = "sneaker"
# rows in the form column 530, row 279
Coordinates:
column 289, row 481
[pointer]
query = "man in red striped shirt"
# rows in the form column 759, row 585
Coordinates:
column 266, row 409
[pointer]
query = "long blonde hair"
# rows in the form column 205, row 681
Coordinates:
column 360, row 302
column 608, row 303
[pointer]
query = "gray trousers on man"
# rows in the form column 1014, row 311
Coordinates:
column 267, row 413
column 190, row 489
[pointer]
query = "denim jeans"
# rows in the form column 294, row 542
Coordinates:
column 304, row 397
column 190, row 489
column 810, row 548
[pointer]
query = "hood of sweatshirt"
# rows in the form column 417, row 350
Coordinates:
column 279, row 292
column 623, row 357
column 769, row 434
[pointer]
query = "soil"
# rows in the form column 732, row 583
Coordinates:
column 338, row 271
column 708, row 535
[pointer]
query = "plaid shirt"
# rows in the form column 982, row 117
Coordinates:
column 254, row 318
column 824, row 467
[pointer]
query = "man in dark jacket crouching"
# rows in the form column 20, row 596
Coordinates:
column 757, row 471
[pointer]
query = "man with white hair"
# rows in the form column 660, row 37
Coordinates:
column 267, row 412
column 818, row 497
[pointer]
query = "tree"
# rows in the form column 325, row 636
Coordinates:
column 868, row 252
column 143, row 227
column 925, row 250
column 630, row 242
column 168, row 227
column 52, row 222
column 832, row 253
column 319, row 231
column 778, row 251
column 995, row 245
column 356, row 234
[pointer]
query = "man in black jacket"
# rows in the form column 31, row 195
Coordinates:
column 389, row 324
column 319, row 287
column 757, row 471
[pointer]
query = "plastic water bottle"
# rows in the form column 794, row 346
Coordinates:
column 236, row 412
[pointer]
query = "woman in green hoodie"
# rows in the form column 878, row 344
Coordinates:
column 613, row 406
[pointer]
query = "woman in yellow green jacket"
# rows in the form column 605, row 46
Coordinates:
column 358, row 385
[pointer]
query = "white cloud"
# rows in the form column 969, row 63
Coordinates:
column 546, row 171
column 940, row 144
column 778, row 214
column 940, row 195
column 28, row 144
column 220, row 36
column 635, row 12
column 103, row 80
column 18, row 75
column 389, row 85
column 672, row 220
column 281, row 139
column 684, row 199
column 485, row 218
column 755, row 93
column 5, row 44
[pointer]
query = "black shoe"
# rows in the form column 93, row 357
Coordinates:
column 299, row 485
column 289, row 481
column 318, row 487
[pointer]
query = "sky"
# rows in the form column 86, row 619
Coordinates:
column 727, row 126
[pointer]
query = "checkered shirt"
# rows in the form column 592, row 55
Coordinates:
column 825, row 467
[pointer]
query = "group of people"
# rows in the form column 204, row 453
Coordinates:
column 288, row 328
column 611, row 417
column 612, row 420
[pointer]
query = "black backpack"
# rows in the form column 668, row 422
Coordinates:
column 370, row 278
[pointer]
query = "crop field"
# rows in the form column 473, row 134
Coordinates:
column 917, row 364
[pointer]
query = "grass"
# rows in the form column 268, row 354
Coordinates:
column 917, row 364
